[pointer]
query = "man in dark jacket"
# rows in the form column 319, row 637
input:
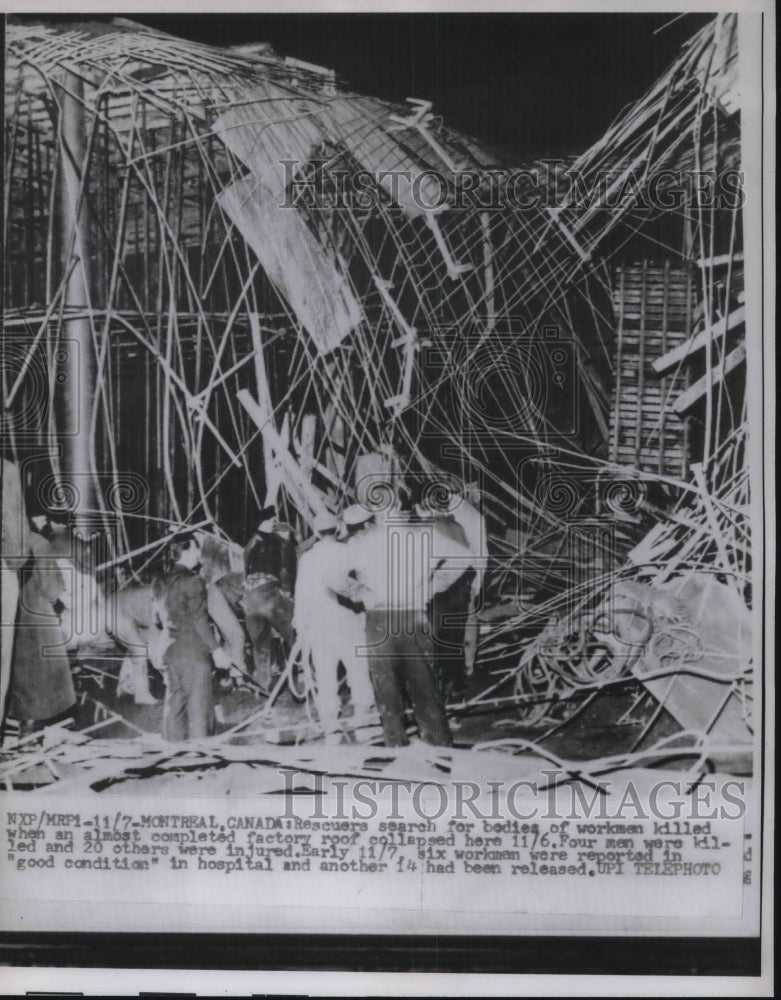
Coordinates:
column 269, row 567
column 41, row 683
column 14, row 552
column 181, row 607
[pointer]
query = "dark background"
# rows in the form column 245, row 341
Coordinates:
column 528, row 84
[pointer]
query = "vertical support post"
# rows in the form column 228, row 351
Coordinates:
column 308, row 430
column 641, row 368
column 488, row 272
column 29, row 217
column 147, row 425
column 78, row 389
column 686, row 375
column 271, row 478
column 663, row 410
column 619, row 363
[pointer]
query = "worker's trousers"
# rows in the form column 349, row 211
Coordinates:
column 188, row 710
column 401, row 655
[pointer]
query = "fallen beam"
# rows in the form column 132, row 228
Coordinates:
column 713, row 377
column 699, row 340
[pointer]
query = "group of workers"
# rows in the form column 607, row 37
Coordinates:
column 378, row 600
column 377, row 608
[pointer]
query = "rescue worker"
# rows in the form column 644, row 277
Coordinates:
column 330, row 632
column 41, row 682
column 267, row 601
column 14, row 554
column 180, row 600
column 393, row 568
column 454, row 610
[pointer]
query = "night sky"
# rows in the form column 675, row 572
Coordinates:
column 529, row 84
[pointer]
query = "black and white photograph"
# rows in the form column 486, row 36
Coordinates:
column 387, row 497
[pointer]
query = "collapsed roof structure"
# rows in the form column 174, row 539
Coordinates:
column 231, row 281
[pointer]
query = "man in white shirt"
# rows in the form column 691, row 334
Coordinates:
column 330, row 633
column 393, row 568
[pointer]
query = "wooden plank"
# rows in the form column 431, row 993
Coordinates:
column 699, row 341
column 720, row 261
column 655, row 296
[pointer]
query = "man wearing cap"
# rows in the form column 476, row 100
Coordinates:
column 393, row 568
column 269, row 579
column 180, row 600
